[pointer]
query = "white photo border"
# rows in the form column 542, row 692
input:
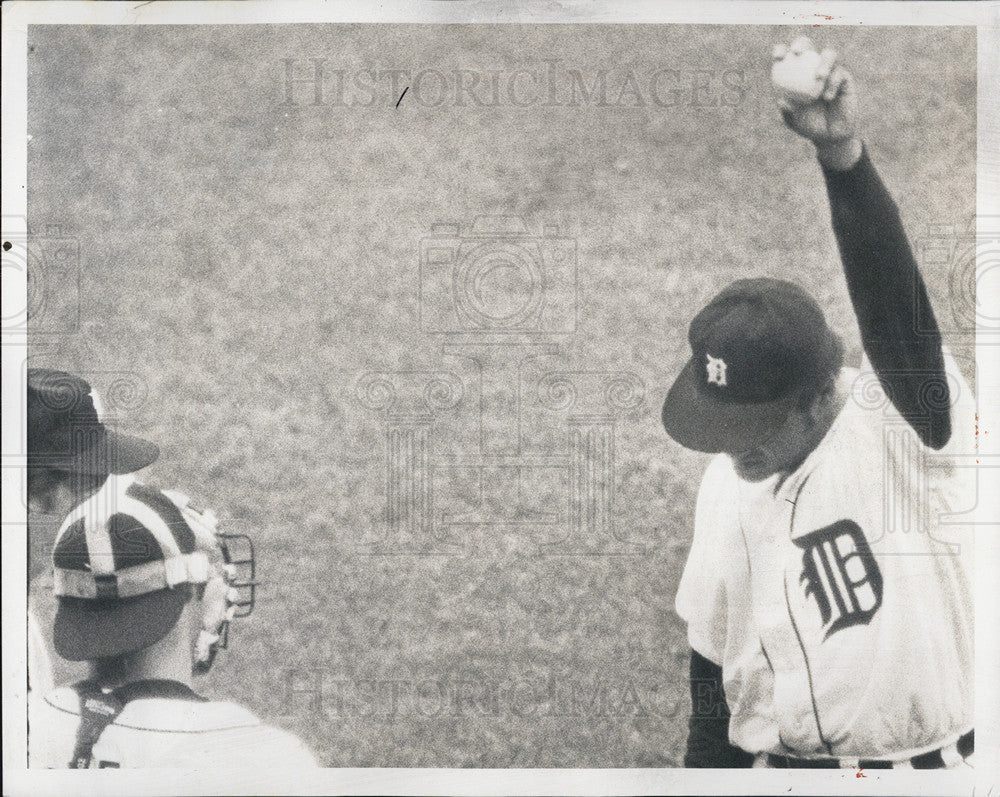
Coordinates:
column 18, row 15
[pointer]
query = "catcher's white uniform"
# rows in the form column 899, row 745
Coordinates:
column 839, row 601
column 39, row 662
column 180, row 731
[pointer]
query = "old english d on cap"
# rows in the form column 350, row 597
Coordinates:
column 754, row 347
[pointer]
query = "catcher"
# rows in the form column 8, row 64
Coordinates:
column 70, row 454
column 146, row 589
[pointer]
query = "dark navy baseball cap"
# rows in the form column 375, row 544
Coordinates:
column 755, row 347
column 66, row 430
column 123, row 569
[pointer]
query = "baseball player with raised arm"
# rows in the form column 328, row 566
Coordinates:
column 146, row 589
column 828, row 598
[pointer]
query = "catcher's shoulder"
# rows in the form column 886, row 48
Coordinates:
column 265, row 745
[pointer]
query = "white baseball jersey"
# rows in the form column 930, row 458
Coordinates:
column 39, row 662
column 838, row 601
column 163, row 732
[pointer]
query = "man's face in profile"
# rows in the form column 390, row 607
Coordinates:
column 782, row 452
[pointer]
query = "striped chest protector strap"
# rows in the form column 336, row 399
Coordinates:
column 99, row 707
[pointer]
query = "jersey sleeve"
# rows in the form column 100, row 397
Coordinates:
column 961, row 407
column 708, row 742
column 292, row 752
column 701, row 597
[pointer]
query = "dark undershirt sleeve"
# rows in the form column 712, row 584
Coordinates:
column 708, row 728
column 898, row 329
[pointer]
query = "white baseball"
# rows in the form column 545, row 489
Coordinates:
column 797, row 78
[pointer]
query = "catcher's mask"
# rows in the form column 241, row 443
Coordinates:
column 231, row 587
column 231, row 592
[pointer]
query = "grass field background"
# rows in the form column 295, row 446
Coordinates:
column 244, row 263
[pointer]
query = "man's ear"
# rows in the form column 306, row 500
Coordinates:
column 46, row 495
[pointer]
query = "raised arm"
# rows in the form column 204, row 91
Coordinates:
column 898, row 329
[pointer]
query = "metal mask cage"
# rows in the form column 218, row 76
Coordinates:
column 238, row 553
